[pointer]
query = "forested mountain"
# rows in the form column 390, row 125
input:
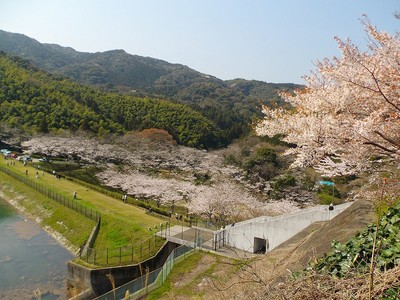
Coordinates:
column 231, row 105
column 36, row 101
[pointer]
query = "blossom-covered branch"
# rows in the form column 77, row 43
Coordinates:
column 349, row 112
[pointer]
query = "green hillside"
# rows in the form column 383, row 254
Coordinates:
column 231, row 105
column 36, row 101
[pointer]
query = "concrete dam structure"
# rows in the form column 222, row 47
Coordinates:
column 262, row 234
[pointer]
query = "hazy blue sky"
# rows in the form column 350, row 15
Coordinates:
column 268, row 40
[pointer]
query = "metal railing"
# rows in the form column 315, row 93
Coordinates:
column 123, row 255
column 149, row 281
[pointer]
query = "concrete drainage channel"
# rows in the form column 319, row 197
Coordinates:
column 259, row 235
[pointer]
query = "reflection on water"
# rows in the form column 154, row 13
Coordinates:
column 31, row 262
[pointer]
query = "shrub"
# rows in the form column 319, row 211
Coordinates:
column 283, row 182
column 230, row 159
column 326, row 199
column 202, row 178
column 329, row 190
column 263, row 156
column 345, row 179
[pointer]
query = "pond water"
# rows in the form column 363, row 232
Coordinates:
column 32, row 263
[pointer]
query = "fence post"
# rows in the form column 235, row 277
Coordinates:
column 215, row 242
column 162, row 275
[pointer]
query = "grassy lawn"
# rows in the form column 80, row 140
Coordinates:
column 187, row 277
column 178, row 272
column 74, row 227
column 122, row 224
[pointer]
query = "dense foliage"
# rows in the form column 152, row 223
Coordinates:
column 358, row 252
column 38, row 102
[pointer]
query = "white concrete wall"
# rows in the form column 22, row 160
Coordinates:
column 277, row 230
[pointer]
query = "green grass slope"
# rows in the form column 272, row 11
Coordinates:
column 122, row 225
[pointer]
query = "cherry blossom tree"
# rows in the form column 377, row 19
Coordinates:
column 348, row 115
column 77, row 147
column 164, row 173
column 224, row 202
column 166, row 191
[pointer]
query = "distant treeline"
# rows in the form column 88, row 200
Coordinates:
column 231, row 105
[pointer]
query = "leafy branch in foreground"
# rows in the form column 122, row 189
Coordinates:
column 358, row 252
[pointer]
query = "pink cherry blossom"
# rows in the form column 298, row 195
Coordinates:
column 349, row 113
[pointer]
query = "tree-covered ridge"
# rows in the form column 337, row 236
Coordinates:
column 35, row 101
column 187, row 126
column 39, row 102
column 231, row 105
column 264, row 92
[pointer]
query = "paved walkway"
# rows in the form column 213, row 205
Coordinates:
column 190, row 234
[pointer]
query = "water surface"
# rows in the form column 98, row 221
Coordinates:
column 31, row 261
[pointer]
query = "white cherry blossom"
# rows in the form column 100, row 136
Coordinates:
column 349, row 112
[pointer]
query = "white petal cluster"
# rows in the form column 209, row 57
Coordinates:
column 164, row 174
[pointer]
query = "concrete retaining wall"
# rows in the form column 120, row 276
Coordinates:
column 94, row 282
column 269, row 232
column 92, row 238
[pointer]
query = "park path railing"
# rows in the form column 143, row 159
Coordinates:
column 61, row 199
column 139, row 287
column 123, row 255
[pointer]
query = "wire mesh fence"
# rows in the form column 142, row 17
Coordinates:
column 61, row 199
